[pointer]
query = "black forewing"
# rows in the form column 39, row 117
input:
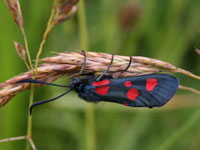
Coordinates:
column 161, row 94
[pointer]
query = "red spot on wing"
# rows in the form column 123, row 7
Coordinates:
column 128, row 83
column 126, row 104
column 99, row 83
column 132, row 94
column 151, row 84
column 102, row 90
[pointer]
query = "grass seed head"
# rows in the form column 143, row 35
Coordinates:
column 64, row 10
column 20, row 50
column 70, row 63
column 15, row 11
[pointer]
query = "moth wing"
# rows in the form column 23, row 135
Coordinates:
column 152, row 90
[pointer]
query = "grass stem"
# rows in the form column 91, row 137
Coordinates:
column 29, row 126
column 50, row 25
column 27, row 49
column 180, row 133
column 89, row 112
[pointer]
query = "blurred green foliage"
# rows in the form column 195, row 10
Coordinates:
column 167, row 30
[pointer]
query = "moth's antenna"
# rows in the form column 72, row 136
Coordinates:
column 46, row 101
column 39, row 82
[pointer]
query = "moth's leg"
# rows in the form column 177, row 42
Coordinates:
column 129, row 64
column 105, row 77
column 84, row 66
column 107, row 70
column 84, row 63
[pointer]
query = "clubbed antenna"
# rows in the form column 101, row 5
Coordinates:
column 39, row 82
column 42, row 82
column 46, row 101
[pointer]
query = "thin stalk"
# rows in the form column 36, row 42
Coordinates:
column 29, row 127
column 30, row 66
column 89, row 112
column 26, row 49
column 50, row 25
column 13, row 139
column 189, row 89
column 90, row 127
column 83, row 26
column 32, row 144
column 27, row 65
column 180, row 132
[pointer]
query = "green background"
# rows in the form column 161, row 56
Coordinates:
column 168, row 30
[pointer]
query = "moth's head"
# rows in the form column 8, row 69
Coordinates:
column 75, row 83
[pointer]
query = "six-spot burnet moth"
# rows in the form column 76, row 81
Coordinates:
column 152, row 90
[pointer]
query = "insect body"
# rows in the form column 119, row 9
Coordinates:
column 151, row 90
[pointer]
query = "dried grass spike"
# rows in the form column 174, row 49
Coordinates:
column 64, row 10
column 15, row 11
column 70, row 63
column 197, row 51
column 20, row 50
